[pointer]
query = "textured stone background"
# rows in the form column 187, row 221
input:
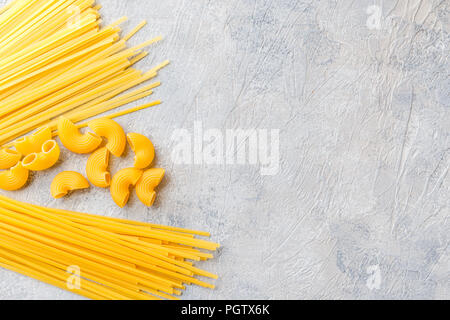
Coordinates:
column 360, row 206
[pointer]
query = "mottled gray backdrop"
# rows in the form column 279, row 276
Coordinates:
column 359, row 90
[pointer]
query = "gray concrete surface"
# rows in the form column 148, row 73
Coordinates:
column 359, row 208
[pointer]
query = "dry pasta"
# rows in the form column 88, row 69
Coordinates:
column 74, row 140
column 9, row 158
column 145, row 188
column 113, row 132
column 118, row 259
column 14, row 178
column 43, row 160
column 67, row 181
column 121, row 183
column 33, row 143
column 143, row 149
column 50, row 68
column 53, row 66
column 97, row 168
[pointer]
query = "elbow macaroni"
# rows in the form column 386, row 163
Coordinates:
column 97, row 168
column 67, row 181
column 121, row 182
column 9, row 158
column 33, row 142
column 74, row 140
column 42, row 152
column 145, row 188
column 113, row 133
column 143, row 149
column 43, row 160
column 14, row 178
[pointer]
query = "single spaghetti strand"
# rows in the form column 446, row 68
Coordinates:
column 135, row 30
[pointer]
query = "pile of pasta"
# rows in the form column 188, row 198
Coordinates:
column 58, row 62
column 97, row 165
column 101, row 257
column 59, row 66
column 42, row 152
column 56, row 59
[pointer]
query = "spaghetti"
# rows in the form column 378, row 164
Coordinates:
column 118, row 259
column 53, row 64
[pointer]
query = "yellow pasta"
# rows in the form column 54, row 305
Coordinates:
column 74, row 140
column 113, row 132
column 135, row 30
column 33, row 143
column 67, row 181
column 97, row 168
column 43, row 160
column 143, row 149
column 14, row 178
column 53, row 65
column 121, row 182
column 9, row 158
column 118, row 259
column 145, row 188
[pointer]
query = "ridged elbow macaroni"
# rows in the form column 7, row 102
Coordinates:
column 9, row 158
column 43, row 160
column 121, row 182
column 14, row 178
column 145, row 188
column 97, row 168
column 143, row 149
column 33, row 142
column 67, row 181
column 112, row 132
column 74, row 140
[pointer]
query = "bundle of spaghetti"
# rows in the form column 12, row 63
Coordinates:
column 116, row 258
column 56, row 59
